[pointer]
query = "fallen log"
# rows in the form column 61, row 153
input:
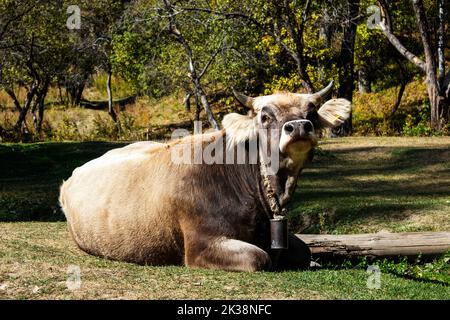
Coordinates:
column 376, row 245
column 103, row 104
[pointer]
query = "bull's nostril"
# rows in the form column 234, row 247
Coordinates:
column 308, row 127
column 288, row 128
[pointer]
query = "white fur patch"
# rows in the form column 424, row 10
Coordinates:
column 132, row 151
column 334, row 112
column 239, row 128
column 280, row 99
column 260, row 102
column 232, row 245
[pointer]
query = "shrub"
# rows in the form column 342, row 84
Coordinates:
column 372, row 112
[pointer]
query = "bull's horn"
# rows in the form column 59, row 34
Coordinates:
column 243, row 99
column 322, row 94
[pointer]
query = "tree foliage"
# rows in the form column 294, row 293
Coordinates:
column 255, row 46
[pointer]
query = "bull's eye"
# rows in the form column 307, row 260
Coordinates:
column 266, row 115
column 312, row 116
column 310, row 106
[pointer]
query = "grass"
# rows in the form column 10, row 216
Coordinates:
column 35, row 257
column 363, row 184
column 32, row 173
column 354, row 185
column 146, row 115
column 155, row 118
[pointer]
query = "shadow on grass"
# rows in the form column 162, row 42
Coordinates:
column 386, row 266
column 384, row 182
column 31, row 175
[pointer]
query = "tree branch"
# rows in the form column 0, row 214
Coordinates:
column 297, row 37
column 425, row 35
column 11, row 19
column 386, row 28
column 13, row 96
column 211, row 59
column 442, row 12
column 297, row 55
column 174, row 29
column 228, row 15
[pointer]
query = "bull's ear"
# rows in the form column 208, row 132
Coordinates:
column 334, row 112
column 243, row 99
column 239, row 128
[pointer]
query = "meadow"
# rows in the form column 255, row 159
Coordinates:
column 354, row 185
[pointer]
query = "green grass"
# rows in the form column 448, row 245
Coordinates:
column 354, row 185
column 35, row 257
column 358, row 185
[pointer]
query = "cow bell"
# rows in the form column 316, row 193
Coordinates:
column 278, row 232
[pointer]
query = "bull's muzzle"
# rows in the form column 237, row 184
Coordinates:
column 298, row 128
column 294, row 131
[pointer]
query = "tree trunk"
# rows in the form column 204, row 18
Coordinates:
column 79, row 92
column 198, row 108
column 363, row 81
column 346, row 76
column 443, row 80
column 13, row 96
column 206, row 106
column 111, row 111
column 442, row 12
column 33, row 111
column 187, row 102
column 23, row 113
column 431, row 77
column 326, row 30
column 42, row 96
column 377, row 244
column 399, row 99
column 435, row 101
column 39, row 104
column 439, row 109
column 195, row 78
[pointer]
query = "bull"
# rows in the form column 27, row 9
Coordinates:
column 137, row 204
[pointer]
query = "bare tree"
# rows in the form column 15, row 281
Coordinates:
column 438, row 84
column 194, row 75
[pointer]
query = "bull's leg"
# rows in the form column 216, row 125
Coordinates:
column 226, row 254
column 297, row 256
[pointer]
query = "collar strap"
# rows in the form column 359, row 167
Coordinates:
column 274, row 204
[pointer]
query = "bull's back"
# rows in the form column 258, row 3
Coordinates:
column 115, row 206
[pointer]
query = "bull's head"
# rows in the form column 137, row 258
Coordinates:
column 296, row 117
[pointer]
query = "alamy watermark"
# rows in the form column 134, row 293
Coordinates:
column 225, row 150
column 73, row 22
column 374, row 20
column 73, row 281
column 374, row 279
